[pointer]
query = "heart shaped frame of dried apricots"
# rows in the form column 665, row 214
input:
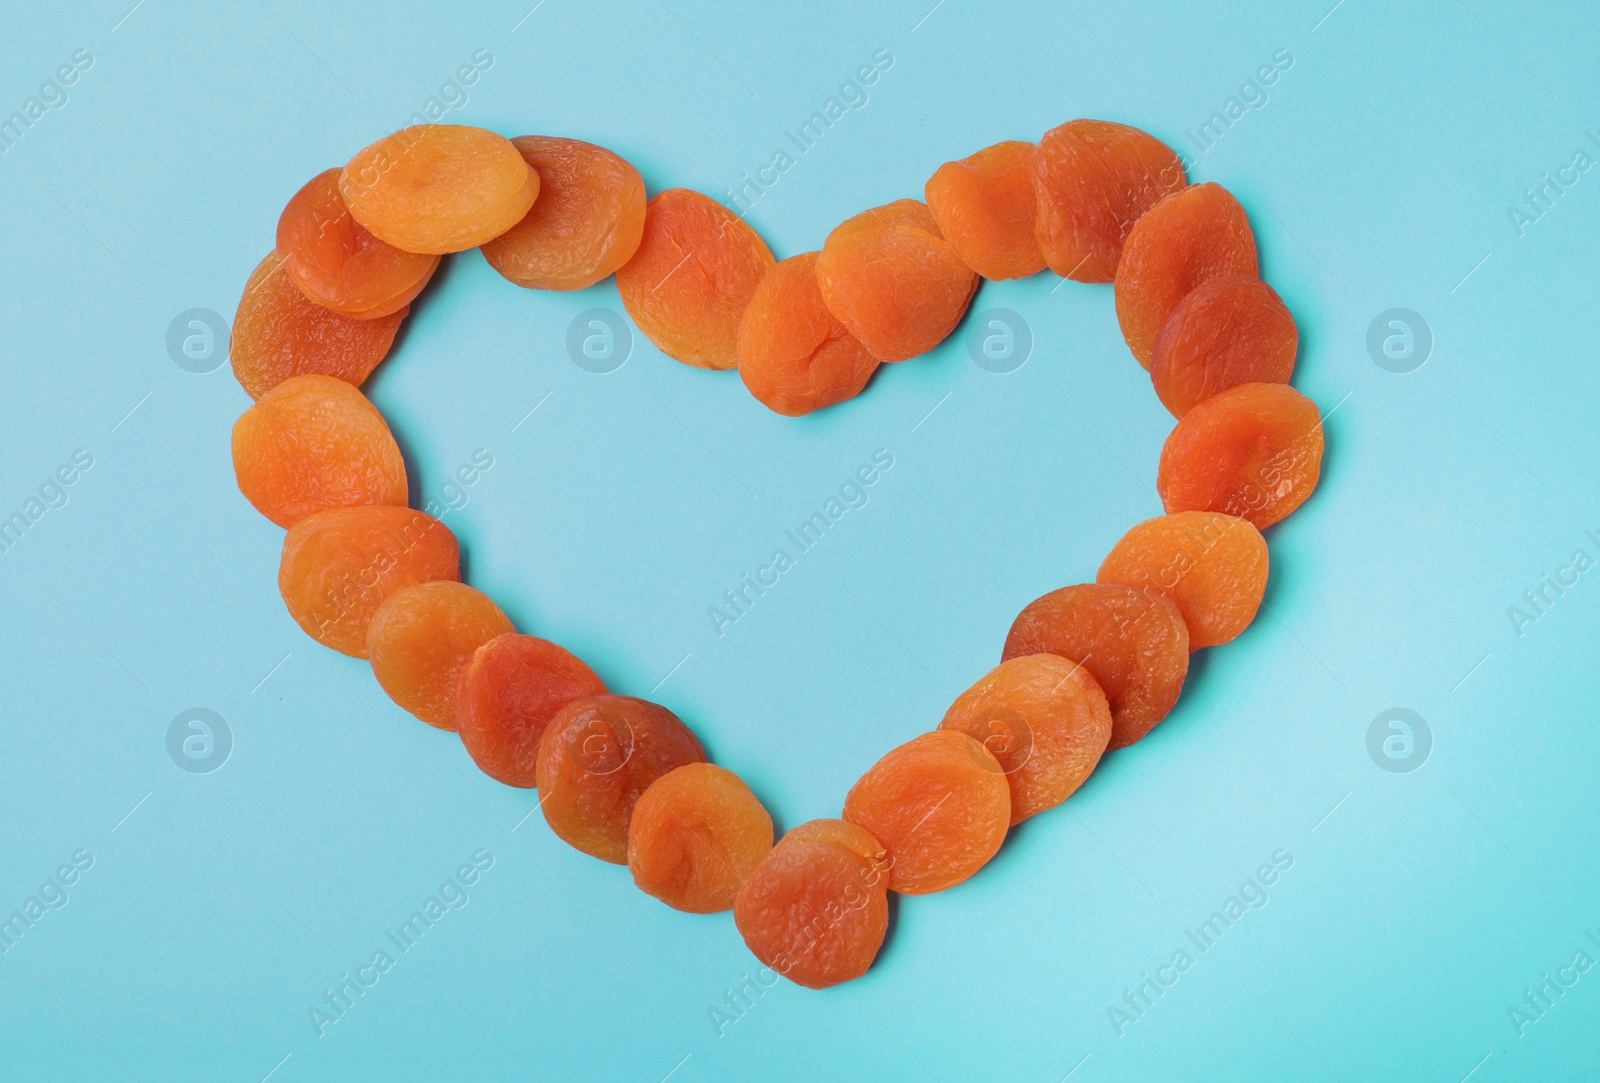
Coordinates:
column 1084, row 669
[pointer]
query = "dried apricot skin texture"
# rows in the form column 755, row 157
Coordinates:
column 338, row 263
column 1229, row 330
column 314, row 443
column 509, row 691
column 940, row 805
column 422, row 637
column 597, row 756
column 1213, row 567
column 794, row 355
column 985, row 206
column 695, row 835
column 893, row 280
column 1254, row 451
column 1093, row 180
column 694, row 272
column 339, row 565
column 816, row 908
column 437, row 188
column 586, row 223
column 1189, row 237
column 279, row 333
column 1134, row 644
column 1045, row 721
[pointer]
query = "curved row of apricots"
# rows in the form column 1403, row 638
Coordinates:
column 1084, row 669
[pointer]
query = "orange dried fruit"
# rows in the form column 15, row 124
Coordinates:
column 794, row 355
column 1134, row 643
column 1045, row 721
column 1254, row 451
column 1213, row 567
column 892, row 279
column 511, row 688
column 421, row 638
column 339, row 565
column 985, row 207
column 939, row 804
column 586, row 223
column 694, row 272
column 696, row 834
column 338, row 263
column 1229, row 330
column 816, row 908
column 1189, row 237
column 597, row 755
column 314, row 443
column 1093, row 180
column 436, row 188
column 279, row 333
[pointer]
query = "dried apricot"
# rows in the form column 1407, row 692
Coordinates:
column 1093, row 179
column 279, row 333
column 694, row 272
column 1229, row 330
column 1254, row 451
column 314, row 443
column 695, row 835
column 985, row 207
column 421, row 638
column 509, row 691
column 816, row 908
column 1213, row 567
column 1191, row 236
column 437, row 188
column 892, row 279
column 597, row 755
column 586, row 223
column 794, row 356
column 338, row 263
column 339, row 564
column 1134, row 643
column 939, row 804
column 1045, row 721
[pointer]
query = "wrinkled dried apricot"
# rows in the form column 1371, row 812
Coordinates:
column 279, row 333
column 1254, row 451
column 1045, row 721
column 437, row 188
column 511, row 688
column 586, row 223
column 421, row 638
column 1229, row 330
column 1213, row 567
column 892, row 279
column 1189, row 237
column 314, row 443
column 339, row 564
column 985, row 207
column 816, row 908
column 338, row 263
column 597, row 755
column 694, row 272
column 1093, row 180
column 939, row 804
column 794, row 355
column 695, row 835
column 1134, row 643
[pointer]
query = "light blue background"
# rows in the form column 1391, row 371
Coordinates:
column 1378, row 175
